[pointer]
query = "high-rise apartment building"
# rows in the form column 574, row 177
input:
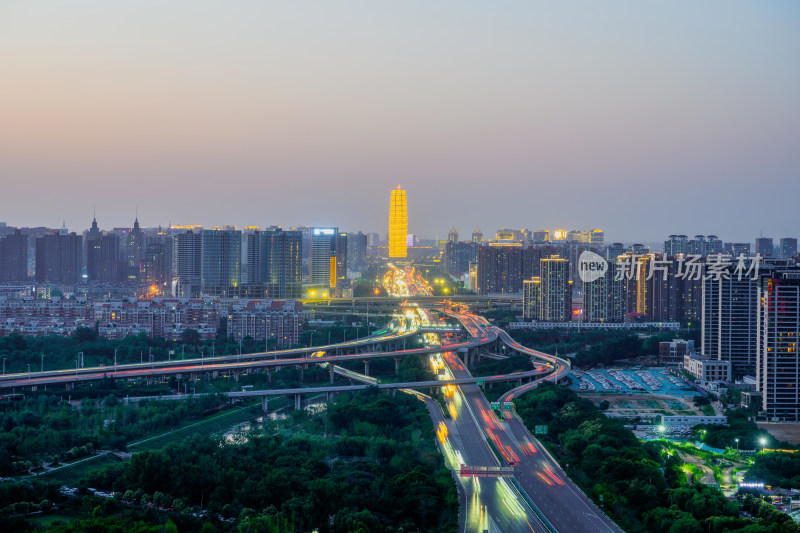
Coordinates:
column 323, row 264
column 357, row 251
column 676, row 244
column 778, row 358
column 398, row 224
column 59, row 258
column 275, row 260
column 188, row 263
column 103, row 263
column 221, row 261
column 531, row 298
column 556, row 290
column 14, row 257
column 730, row 321
column 458, row 255
column 597, row 298
column 499, row 269
column 134, row 251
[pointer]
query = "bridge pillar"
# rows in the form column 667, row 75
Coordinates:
column 149, row 380
column 298, row 401
column 192, row 377
column 366, row 367
column 301, row 373
column 264, row 404
column 396, row 365
column 67, row 386
column 269, row 375
column 332, row 373
column 215, row 374
column 236, row 375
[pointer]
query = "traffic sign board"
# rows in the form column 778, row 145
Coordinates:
column 495, row 405
column 479, row 382
column 540, row 430
column 508, row 405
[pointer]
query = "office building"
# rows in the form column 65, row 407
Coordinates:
column 398, row 224
column 59, row 258
column 477, row 236
column 673, row 352
column 556, row 290
column 707, row 370
column 452, row 235
column 221, row 261
column 788, row 247
column 765, row 247
column 778, row 359
column 14, row 257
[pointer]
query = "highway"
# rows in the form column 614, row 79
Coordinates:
column 538, row 498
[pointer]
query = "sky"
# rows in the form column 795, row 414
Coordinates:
column 640, row 118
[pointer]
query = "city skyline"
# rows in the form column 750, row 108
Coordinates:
column 265, row 114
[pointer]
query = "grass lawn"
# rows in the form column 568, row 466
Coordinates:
column 71, row 474
column 45, row 520
column 216, row 423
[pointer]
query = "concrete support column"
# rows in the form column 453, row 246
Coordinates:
column 264, row 405
column 366, row 367
column 298, row 401
column 301, row 374
column 269, row 375
column 215, row 374
column 332, row 373
column 236, row 375
column 396, row 364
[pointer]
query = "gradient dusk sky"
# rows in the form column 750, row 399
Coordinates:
column 641, row 118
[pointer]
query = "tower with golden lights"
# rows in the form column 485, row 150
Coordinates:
column 398, row 224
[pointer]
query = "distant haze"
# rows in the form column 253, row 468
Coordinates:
column 639, row 118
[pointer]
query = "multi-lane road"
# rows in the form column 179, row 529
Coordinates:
column 562, row 506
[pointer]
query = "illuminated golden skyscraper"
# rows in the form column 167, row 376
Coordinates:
column 398, row 224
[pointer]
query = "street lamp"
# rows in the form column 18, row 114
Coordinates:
column 29, row 372
column 737, row 445
column 42, row 367
column 763, row 442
